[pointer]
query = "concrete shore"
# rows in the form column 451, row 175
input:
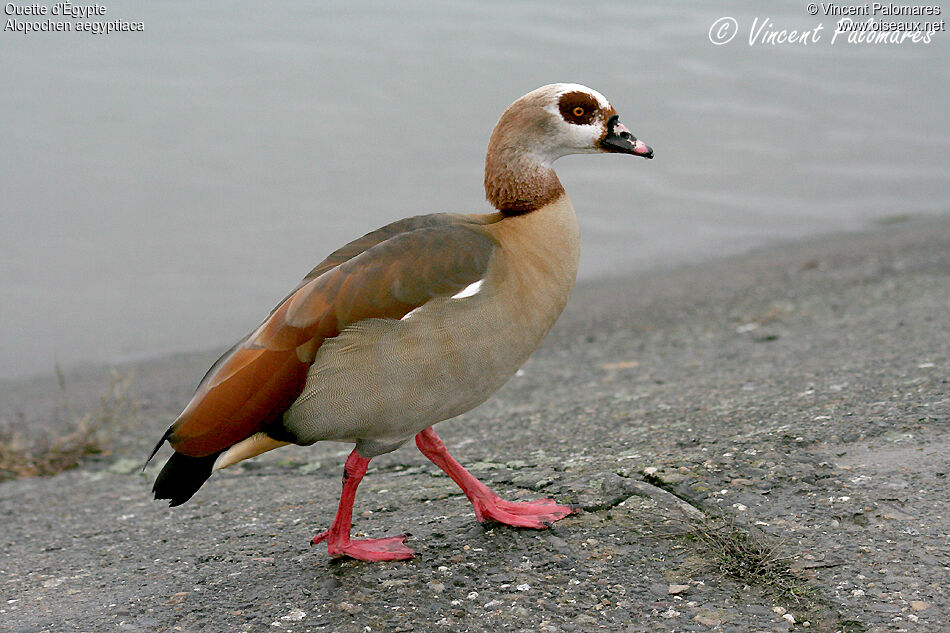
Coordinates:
column 752, row 444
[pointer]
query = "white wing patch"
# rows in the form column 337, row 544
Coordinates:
column 468, row 291
column 410, row 313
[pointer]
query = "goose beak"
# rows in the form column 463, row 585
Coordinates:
column 619, row 140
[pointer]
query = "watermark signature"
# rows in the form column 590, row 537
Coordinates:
column 869, row 23
column 723, row 30
column 64, row 17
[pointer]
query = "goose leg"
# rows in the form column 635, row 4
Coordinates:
column 531, row 514
column 338, row 538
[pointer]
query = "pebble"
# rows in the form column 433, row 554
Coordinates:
column 708, row 620
column 294, row 616
column 125, row 466
column 678, row 589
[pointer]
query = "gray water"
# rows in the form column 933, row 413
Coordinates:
column 162, row 190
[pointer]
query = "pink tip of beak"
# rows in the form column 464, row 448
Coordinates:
column 641, row 149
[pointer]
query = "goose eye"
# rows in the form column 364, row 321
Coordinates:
column 577, row 108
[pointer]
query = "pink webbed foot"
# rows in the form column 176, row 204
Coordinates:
column 489, row 506
column 537, row 514
column 338, row 539
column 371, row 549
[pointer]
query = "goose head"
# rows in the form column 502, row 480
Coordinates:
column 561, row 119
column 540, row 127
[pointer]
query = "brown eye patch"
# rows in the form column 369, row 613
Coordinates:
column 578, row 108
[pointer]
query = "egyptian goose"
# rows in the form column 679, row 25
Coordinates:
column 409, row 325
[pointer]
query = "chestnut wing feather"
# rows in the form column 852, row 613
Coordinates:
column 382, row 234
column 351, row 250
column 259, row 378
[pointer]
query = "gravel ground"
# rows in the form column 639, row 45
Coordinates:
column 753, row 444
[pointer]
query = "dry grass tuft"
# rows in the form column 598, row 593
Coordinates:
column 734, row 551
column 90, row 433
column 739, row 552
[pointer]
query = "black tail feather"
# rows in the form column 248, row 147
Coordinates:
column 157, row 446
column 182, row 476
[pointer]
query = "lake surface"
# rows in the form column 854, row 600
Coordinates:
column 162, row 190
